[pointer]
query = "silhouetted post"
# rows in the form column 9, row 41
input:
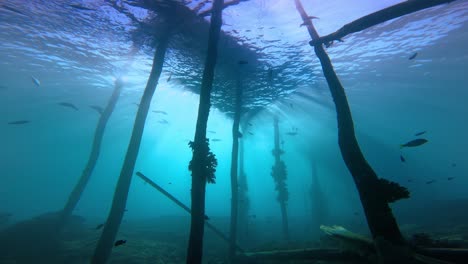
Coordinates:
column 279, row 174
column 234, row 167
column 244, row 203
column 375, row 193
column 111, row 227
column 318, row 201
column 203, row 163
column 75, row 195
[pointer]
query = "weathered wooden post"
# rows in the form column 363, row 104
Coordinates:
column 203, row 161
column 279, row 175
column 111, row 227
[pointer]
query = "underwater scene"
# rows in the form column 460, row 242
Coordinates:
column 235, row 131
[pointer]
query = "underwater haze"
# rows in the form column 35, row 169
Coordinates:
column 59, row 62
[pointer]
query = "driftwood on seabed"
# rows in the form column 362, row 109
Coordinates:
column 378, row 17
column 308, row 254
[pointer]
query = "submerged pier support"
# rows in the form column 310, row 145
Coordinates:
column 279, row 175
column 375, row 193
column 75, row 195
column 111, row 227
column 243, row 198
column 234, row 169
column 203, row 161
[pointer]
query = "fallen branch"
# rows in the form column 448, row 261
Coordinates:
column 378, row 17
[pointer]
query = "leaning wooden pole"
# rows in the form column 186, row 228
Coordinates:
column 378, row 17
column 186, row 208
column 106, row 241
column 203, row 162
column 234, row 170
column 75, row 195
column 375, row 193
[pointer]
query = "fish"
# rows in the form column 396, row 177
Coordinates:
column 97, row 108
column 402, row 158
column 159, row 112
column 3, row 87
column 99, row 226
column 136, row 104
column 215, row 139
column 431, row 181
column 450, row 178
column 80, row 7
column 69, row 105
column 36, row 81
column 413, row 56
column 242, row 62
column 239, row 134
column 454, row 164
column 249, row 124
column 414, row 143
column 206, row 217
column 169, row 183
column 293, row 133
column 119, row 242
column 163, row 121
column 169, row 78
column 250, row 133
column 410, row 180
column 253, row 216
column 211, row 131
column 420, row 133
column 19, row 122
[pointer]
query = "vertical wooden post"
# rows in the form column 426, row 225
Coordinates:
column 106, row 241
column 279, row 175
column 203, row 161
column 234, row 169
column 244, row 203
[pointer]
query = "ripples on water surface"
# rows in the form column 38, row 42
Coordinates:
column 76, row 49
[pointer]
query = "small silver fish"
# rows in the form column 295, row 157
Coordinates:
column 420, row 133
column 36, row 81
column 69, row 105
column 19, row 122
column 97, row 108
column 413, row 56
column 159, row 112
column 414, row 143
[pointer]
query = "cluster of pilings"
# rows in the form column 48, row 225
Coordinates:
column 375, row 193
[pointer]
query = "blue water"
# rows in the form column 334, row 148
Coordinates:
column 77, row 54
